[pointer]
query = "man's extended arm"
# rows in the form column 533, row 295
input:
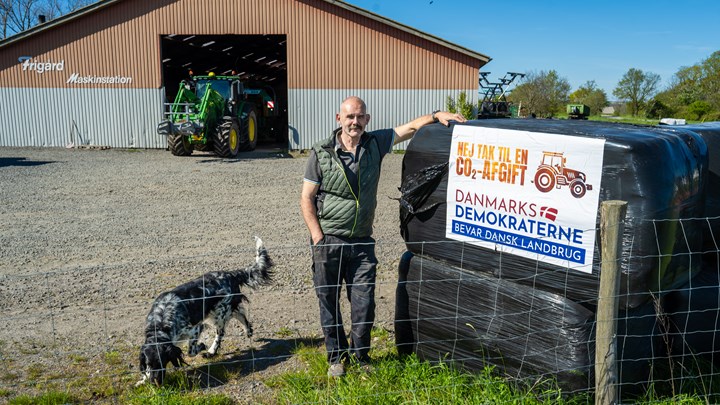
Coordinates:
column 408, row 130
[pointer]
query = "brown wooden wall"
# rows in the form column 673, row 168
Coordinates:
column 328, row 46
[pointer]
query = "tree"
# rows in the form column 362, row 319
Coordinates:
column 636, row 87
column 699, row 108
column 543, row 94
column 690, row 84
column 657, row 109
column 19, row 15
column 462, row 106
column 591, row 96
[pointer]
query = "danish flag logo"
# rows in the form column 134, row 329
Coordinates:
column 549, row 213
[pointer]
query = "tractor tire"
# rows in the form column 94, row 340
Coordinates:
column 544, row 180
column 227, row 138
column 249, row 129
column 577, row 188
column 179, row 145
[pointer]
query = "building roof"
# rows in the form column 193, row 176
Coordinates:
column 67, row 18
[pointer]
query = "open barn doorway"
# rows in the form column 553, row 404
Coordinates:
column 260, row 61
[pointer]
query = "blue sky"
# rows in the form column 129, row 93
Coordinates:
column 581, row 40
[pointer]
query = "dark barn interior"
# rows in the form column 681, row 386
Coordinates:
column 259, row 60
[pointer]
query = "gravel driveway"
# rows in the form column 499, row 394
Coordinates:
column 89, row 237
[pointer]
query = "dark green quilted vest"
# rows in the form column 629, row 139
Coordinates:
column 342, row 212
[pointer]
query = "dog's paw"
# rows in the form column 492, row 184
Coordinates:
column 208, row 355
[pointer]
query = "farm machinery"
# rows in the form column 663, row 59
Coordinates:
column 218, row 114
column 578, row 111
column 494, row 103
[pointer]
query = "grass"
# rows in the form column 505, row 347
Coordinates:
column 626, row 119
column 394, row 380
column 178, row 390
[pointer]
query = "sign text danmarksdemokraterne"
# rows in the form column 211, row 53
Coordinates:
column 530, row 194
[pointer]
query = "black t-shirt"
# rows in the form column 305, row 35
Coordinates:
column 385, row 138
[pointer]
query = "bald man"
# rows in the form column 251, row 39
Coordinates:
column 338, row 201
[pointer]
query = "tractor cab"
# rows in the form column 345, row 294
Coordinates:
column 554, row 159
column 229, row 87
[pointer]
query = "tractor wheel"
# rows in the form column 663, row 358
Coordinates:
column 227, row 139
column 544, row 180
column 577, row 188
column 249, row 129
column 179, row 145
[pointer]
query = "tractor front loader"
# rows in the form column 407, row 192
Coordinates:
column 210, row 113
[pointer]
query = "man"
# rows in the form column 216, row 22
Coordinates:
column 338, row 201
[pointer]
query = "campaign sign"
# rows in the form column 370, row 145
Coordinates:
column 530, row 194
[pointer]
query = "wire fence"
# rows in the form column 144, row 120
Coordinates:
column 81, row 328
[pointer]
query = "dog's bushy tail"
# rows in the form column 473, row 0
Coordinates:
column 259, row 273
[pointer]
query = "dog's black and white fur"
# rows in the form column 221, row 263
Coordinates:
column 179, row 315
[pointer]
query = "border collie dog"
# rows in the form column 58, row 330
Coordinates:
column 179, row 315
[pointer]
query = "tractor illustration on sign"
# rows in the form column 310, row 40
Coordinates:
column 552, row 173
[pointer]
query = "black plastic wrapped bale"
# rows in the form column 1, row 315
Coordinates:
column 474, row 320
column 710, row 133
column 694, row 315
column 660, row 171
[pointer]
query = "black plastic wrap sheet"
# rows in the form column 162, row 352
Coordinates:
column 660, row 171
column 694, row 314
column 710, row 133
column 444, row 313
column 447, row 314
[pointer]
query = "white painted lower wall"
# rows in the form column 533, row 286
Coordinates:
column 119, row 118
column 128, row 118
column 311, row 113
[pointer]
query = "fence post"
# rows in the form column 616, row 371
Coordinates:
column 612, row 217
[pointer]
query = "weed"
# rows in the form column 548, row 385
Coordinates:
column 113, row 358
column 35, row 371
column 9, row 376
column 285, row 332
column 52, row 397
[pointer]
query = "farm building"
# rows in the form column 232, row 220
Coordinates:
column 102, row 74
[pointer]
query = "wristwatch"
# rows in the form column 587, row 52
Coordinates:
column 434, row 118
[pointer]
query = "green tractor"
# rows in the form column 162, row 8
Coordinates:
column 578, row 111
column 215, row 113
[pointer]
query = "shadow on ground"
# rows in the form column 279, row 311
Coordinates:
column 20, row 161
column 242, row 363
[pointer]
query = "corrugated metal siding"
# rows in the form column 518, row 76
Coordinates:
column 328, row 48
column 314, row 111
column 100, row 117
column 347, row 50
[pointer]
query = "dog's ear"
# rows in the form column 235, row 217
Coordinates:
column 174, row 355
column 143, row 361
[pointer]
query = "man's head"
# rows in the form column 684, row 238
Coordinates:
column 353, row 117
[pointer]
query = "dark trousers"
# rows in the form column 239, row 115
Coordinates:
column 337, row 259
